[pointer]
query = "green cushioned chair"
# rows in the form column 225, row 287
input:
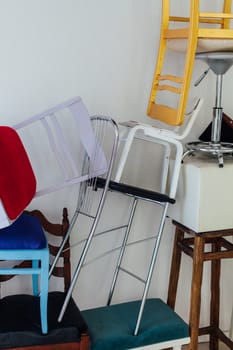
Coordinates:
column 112, row 327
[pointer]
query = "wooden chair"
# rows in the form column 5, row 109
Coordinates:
column 201, row 31
column 74, row 335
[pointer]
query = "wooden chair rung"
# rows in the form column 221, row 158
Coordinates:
column 208, row 15
column 169, row 88
column 176, row 33
column 164, row 113
column 170, row 77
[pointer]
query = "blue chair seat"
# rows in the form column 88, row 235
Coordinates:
column 112, row 327
column 25, row 233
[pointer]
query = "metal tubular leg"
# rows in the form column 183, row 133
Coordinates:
column 231, row 326
column 217, row 111
column 84, row 252
column 76, row 273
column 122, row 250
column 99, row 209
column 151, row 268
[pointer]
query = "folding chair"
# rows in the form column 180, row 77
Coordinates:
column 68, row 140
column 78, row 149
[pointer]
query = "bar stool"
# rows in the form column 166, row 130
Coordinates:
column 194, row 245
column 219, row 63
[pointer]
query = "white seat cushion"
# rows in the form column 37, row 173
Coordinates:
column 203, row 45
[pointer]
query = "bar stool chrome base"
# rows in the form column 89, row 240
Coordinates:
column 219, row 63
column 210, row 149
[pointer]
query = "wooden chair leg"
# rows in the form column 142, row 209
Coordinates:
column 85, row 342
column 215, row 297
column 195, row 302
column 175, row 268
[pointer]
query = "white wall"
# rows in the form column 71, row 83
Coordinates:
column 54, row 49
column 105, row 52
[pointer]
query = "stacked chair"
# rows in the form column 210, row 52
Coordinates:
column 88, row 165
column 135, row 324
column 148, row 322
column 200, row 32
column 206, row 36
column 73, row 147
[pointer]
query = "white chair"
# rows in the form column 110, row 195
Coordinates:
column 166, row 137
column 145, row 323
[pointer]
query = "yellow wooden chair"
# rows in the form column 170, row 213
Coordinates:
column 200, row 32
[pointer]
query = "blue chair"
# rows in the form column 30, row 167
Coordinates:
column 21, row 235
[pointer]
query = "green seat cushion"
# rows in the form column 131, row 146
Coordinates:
column 112, row 327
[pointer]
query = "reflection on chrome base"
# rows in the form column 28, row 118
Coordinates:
column 210, row 149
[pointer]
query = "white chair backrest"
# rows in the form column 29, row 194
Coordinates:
column 168, row 139
column 57, row 140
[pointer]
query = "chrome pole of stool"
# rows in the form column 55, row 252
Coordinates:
column 219, row 63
